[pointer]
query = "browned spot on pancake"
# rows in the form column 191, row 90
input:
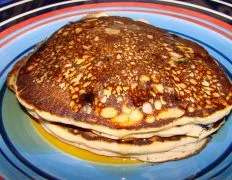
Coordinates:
column 140, row 95
column 87, row 98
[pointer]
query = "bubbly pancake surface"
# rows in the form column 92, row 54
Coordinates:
column 121, row 74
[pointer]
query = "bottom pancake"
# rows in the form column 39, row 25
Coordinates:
column 154, row 149
column 174, row 154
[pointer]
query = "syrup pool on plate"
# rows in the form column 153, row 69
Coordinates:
column 81, row 153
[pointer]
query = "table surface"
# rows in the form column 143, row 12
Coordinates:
column 15, row 11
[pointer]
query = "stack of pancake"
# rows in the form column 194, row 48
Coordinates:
column 119, row 87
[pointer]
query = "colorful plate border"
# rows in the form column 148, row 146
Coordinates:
column 32, row 20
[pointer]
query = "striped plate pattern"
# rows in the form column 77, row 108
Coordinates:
column 24, row 154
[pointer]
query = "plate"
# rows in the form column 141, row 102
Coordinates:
column 26, row 154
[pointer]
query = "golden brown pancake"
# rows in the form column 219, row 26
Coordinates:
column 119, row 76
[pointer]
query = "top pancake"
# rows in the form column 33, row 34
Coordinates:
column 117, row 73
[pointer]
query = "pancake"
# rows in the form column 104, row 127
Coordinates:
column 141, row 149
column 175, row 154
column 121, row 77
column 128, row 147
column 192, row 130
column 12, row 76
column 119, row 87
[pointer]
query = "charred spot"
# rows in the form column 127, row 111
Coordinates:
column 148, row 84
column 141, row 49
column 103, row 79
column 106, row 58
column 112, row 39
column 169, row 41
column 173, row 98
column 87, row 98
column 181, row 61
column 139, row 96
